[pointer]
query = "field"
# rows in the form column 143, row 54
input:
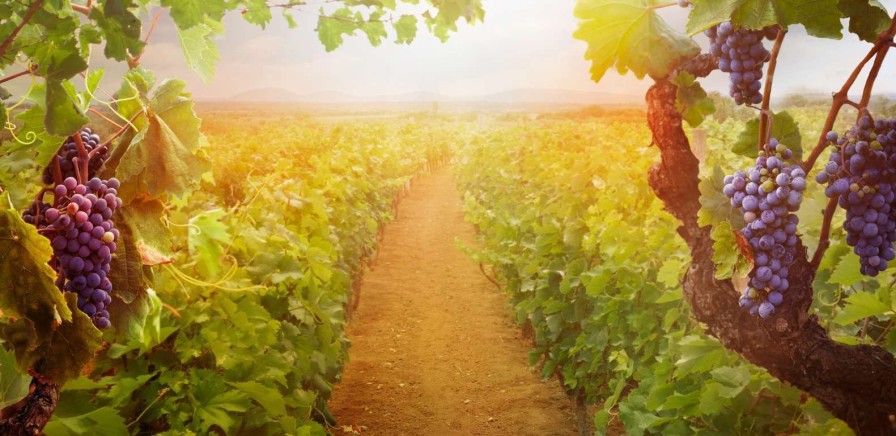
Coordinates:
column 325, row 242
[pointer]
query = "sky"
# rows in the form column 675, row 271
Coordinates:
column 521, row 44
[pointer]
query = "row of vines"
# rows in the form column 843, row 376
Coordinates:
column 593, row 267
column 254, row 274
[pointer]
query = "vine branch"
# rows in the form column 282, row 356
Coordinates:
column 878, row 52
column 764, row 114
column 32, row 9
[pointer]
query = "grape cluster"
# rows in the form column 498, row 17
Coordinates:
column 83, row 237
column 768, row 194
column 742, row 55
column 69, row 151
column 861, row 174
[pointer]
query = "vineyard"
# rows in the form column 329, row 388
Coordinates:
column 688, row 262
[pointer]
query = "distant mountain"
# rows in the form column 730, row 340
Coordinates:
column 524, row 96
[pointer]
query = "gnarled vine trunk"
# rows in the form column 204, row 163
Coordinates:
column 855, row 383
column 30, row 414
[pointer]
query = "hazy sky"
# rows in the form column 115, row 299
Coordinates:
column 521, row 44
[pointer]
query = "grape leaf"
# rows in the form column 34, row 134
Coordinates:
column 715, row 207
column 862, row 305
column 103, row 420
column 847, row 271
column 13, row 384
column 269, row 398
column 63, row 114
column 189, row 13
column 784, row 129
column 121, row 28
column 405, row 29
column 726, row 254
column 867, row 18
column 332, row 28
column 126, row 270
column 207, row 232
column 28, row 289
column 61, row 356
column 630, row 35
column 691, row 100
column 820, row 17
column 160, row 158
column 199, row 50
column 145, row 215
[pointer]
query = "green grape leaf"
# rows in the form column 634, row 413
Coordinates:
column 86, row 420
column 867, row 18
column 847, row 271
column 189, row 13
column 784, row 128
column 691, row 100
column 820, row 17
column 160, row 159
column 715, row 207
column 13, row 384
column 137, row 323
column 213, row 402
column 199, row 50
column 269, row 398
column 862, row 305
column 405, row 29
column 61, row 356
column 332, row 28
column 726, row 252
column 375, row 29
column 632, row 36
column 120, row 27
column 207, row 233
column 63, row 115
column 28, row 283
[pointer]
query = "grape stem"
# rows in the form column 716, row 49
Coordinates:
column 100, row 114
column 15, row 32
column 765, row 125
column 83, row 159
column 664, row 5
column 16, row 75
column 120, row 132
column 823, row 240
column 135, row 60
column 85, row 10
column 57, row 170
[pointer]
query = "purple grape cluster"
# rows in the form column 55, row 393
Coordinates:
column 768, row 194
column 861, row 174
column 83, row 237
column 69, row 151
column 742, row 55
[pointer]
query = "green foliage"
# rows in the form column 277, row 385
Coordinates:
column 592, row 262
column 821, row 18
column 784, row 129
column 243, row 332
column 691, row 100
column 630, row 35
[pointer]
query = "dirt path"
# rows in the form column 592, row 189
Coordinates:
column 434, row 352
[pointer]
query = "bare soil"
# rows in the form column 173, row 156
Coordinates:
column 434, row 351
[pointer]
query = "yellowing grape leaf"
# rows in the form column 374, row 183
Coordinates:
column 630, row 35
column 61, row 356
column 27, row 283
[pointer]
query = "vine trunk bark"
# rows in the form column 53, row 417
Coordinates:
column 855, row 383
column 30, row 414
